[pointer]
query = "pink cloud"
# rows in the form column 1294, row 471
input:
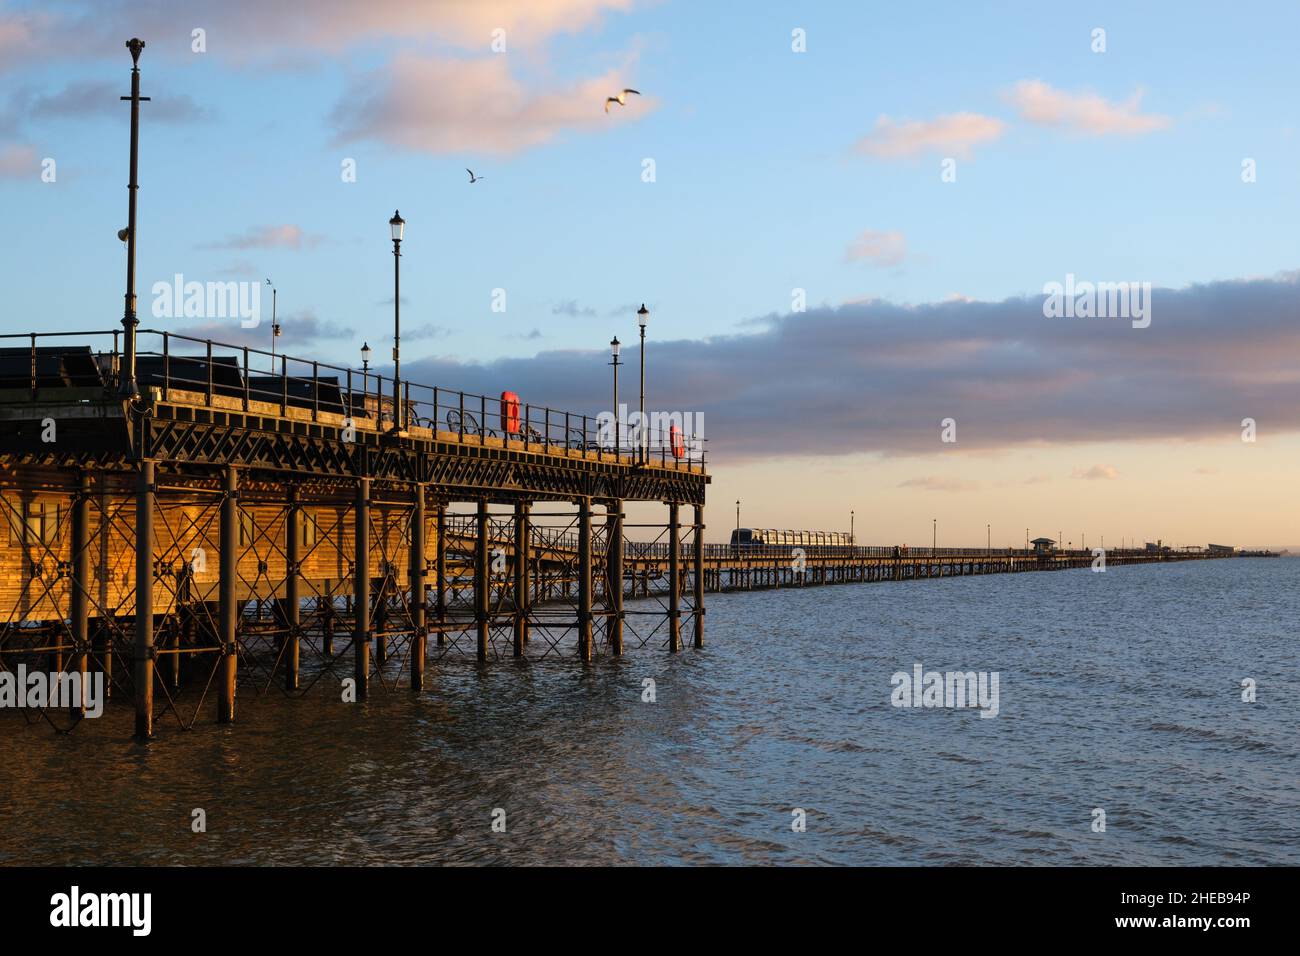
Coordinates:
column 880, row 248
column 17, row 162
column 934, row 483
column 267, row 237
column 951, row 135
column 1097, row 473
column 447, row 106
column 1085, row 113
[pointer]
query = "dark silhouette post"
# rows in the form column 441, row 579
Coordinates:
column 129, row 319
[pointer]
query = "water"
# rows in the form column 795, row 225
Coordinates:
column 1119, row 691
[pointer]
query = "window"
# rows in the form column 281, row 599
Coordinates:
column 247, row 529
column 309, row 531
column 32, row 522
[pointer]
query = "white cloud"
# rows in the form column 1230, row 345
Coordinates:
column 951, row 135
column 880, row 248
column 1085, row 113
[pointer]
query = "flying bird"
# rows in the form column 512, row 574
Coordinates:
column 472, row 177
column 621, row 99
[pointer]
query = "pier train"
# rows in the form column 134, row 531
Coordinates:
column 813, row 542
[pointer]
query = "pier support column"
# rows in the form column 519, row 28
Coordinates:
column 81, row 584
column 614, row 570
column 521, row 585
column 228, row 608
column 419, row 633
column 440, row 572
column 699, row 576
column 674, row 578
column 361, row 590
column 292, row 614
column 482, row 581
column 143, row 655
column 586, row 649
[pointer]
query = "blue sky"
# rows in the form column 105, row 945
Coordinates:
column 774, row 171
column 759, row 189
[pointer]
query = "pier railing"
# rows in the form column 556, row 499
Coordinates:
column 175, row 363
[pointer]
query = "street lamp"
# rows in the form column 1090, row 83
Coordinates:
column 934, row 541
column 614, row 346
column 275, row 326
column 643, row 316
column 988, row 539
column 737, row 517
column 851, row 541
column 398, row 226
column 130, row 321
column 365, row 376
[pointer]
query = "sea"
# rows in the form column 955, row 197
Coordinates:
column 1145, row 716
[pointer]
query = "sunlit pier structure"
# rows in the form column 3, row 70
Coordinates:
column 281, row 516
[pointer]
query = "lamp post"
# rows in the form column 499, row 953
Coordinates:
column 614, row 346
column 398, row 226
column 934, row 540
column 738, row 517
column 275, row 326
column 643, row 316
column 988, row 539
column 365, row 377
column 851, row 540
column 130, row 322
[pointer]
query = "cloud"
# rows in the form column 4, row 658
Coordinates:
column 875, row 376
column 1097, row 473
column 246, row 30
column 878, row 248
column 297, row 332
column 18, row 162
column 426, row 331
column 571, row 308
column 439, row 105
column 83, row 99
column 1084, row 113
column 951, row 135
column 932, row 483
column 267, row 237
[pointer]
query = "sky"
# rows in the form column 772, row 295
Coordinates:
column 843, row 218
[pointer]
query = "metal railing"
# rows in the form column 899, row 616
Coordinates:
column 173, row 362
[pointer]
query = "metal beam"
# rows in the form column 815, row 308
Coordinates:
column 482, row 582
column 81, row 585
column 292, row 617
column 614, row 572
column 419, row 631
column 142, row 657
column 361, row 589
column 228, row 604
column 674, row 578
column 523, row 555
column 586, row 648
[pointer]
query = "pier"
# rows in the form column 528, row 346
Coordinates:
column 293, row 527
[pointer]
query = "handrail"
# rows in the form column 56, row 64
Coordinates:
column 180, row 362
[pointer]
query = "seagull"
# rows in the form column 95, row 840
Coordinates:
column 472, row 177
column 621, row 99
